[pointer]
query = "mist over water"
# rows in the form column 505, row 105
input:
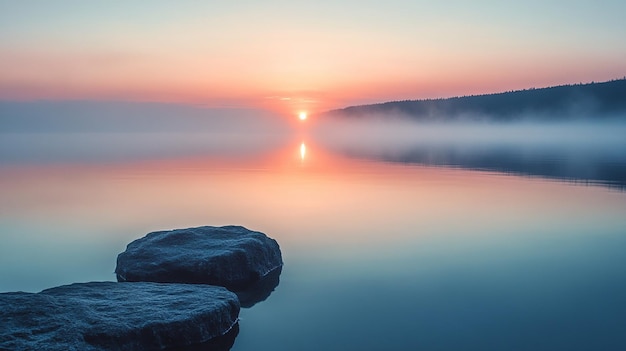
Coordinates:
column 132, row 117
column 473, row 198
column 581, row 150
column 393, row 130
column 390, row 237
column 92, row 132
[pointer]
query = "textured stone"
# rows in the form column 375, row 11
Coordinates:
column 117, row 316
column 230, row 256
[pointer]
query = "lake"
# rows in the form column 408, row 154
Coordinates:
column 387, row 246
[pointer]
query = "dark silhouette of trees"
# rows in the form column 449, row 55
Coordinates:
column 554, row 103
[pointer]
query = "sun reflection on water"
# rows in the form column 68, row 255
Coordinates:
column 302, row 151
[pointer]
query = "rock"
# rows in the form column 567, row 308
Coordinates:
column 117, row 316
column 230, row 256
column 260, row 290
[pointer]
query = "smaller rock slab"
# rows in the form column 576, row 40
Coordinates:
column 229, row 256
column 116, row 316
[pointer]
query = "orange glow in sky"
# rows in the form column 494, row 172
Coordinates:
column 311, row 56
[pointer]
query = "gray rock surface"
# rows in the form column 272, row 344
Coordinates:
column 116, row 316
column 230, row 256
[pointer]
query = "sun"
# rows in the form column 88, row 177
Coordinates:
column 302, row 115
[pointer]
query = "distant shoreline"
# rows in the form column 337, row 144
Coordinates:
column 556, row 103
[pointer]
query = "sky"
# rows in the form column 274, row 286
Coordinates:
column 289, row 56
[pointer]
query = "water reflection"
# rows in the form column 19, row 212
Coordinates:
column 569, row 165
column 591, row 153
column 220, row 343
column 381, row 256
column 261, row 290
column 302, row 151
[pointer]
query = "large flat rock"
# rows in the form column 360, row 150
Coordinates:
column 116, row 316
column 230, row 256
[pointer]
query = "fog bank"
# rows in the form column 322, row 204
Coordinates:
column 132, row 117
column 578, row 151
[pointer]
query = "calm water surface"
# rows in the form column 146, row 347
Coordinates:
column 378, row 255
